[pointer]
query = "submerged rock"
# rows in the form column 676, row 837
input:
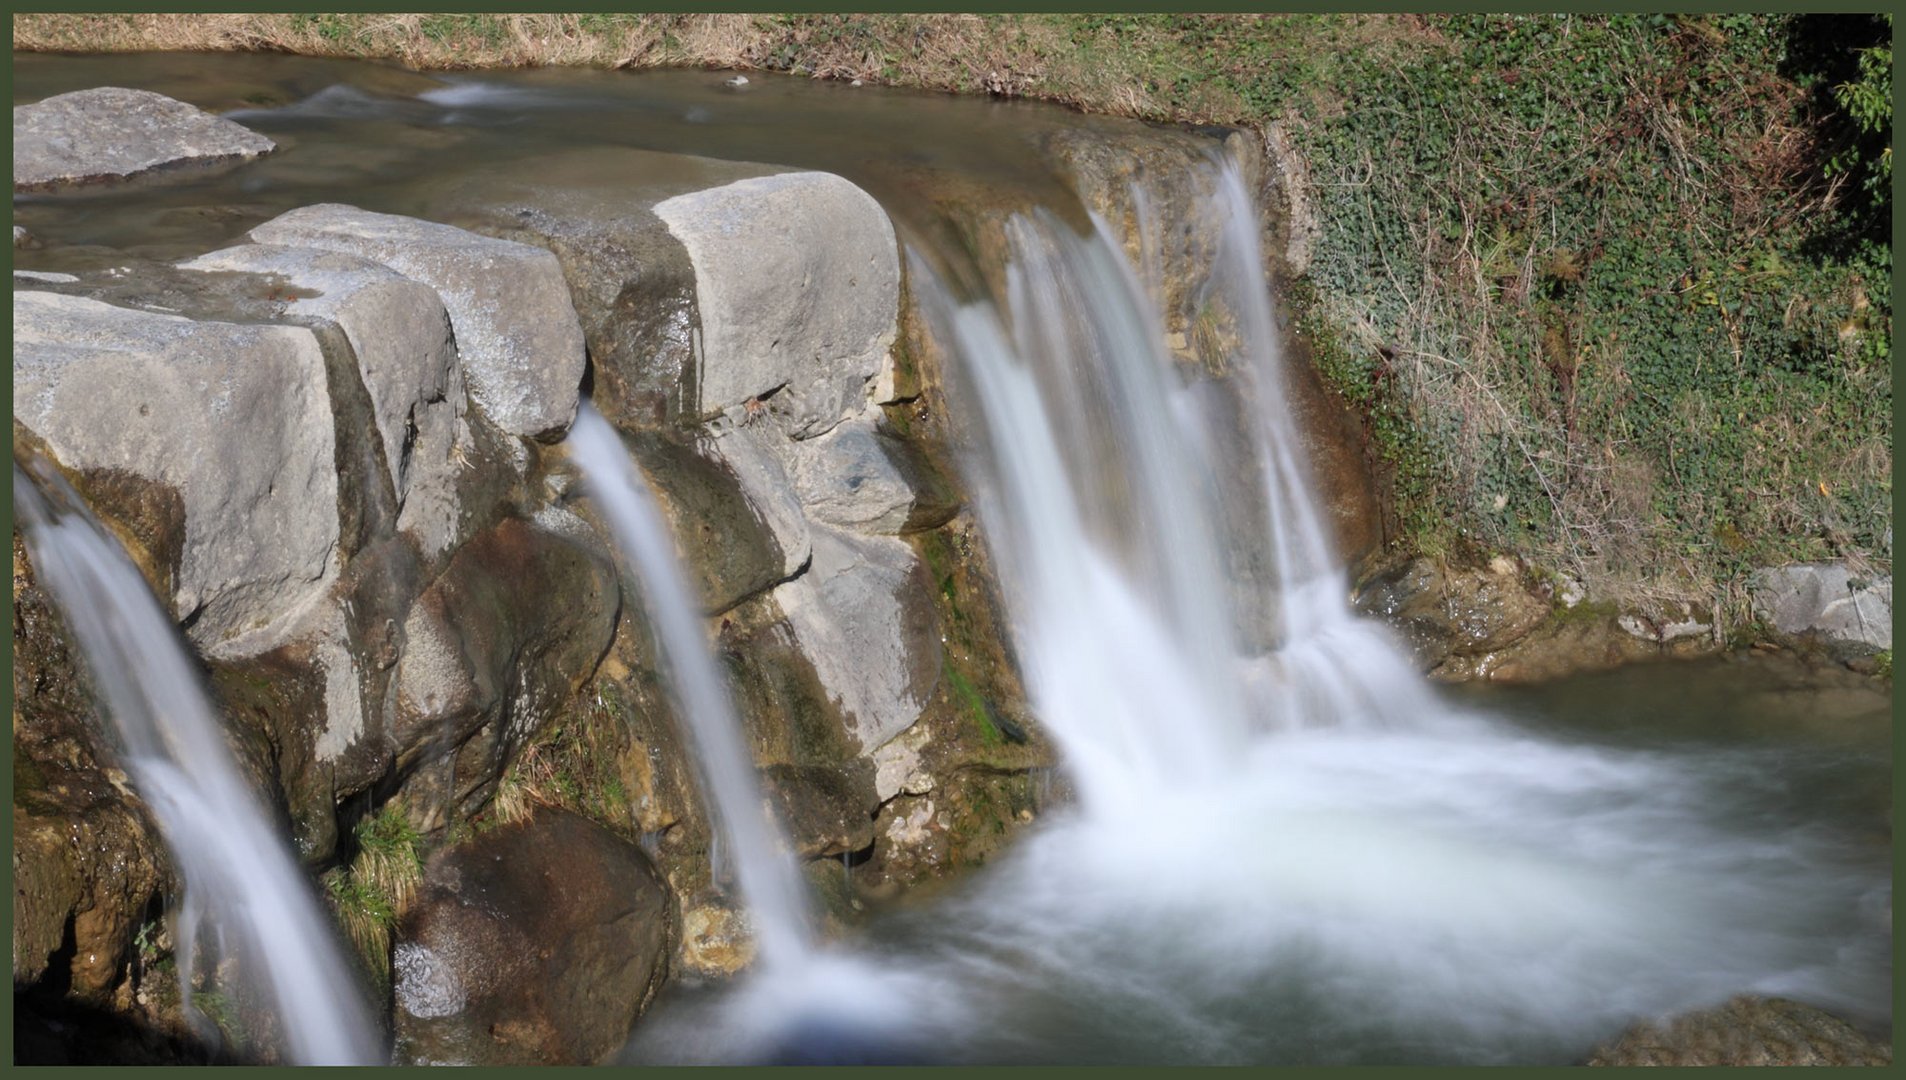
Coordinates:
column 112, row 134
column 539, row 943
column 1746, row 1031
column 518, row 339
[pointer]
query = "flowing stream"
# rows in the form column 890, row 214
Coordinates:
column 241, row 881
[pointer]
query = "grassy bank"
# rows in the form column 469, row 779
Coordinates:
column 1613, row 292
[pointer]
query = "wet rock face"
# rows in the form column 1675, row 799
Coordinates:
column 1459, row 612
column 492, row 649
column 519, row 341
column 1746, row 1031
column 539, row 943
column 86, row 862
column 113, row 134
column 730, row 552
column 828, row 810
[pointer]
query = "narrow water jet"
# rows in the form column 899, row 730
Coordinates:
column 763, row 864
column 241, row 880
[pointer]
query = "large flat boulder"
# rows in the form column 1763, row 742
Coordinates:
column 111, row 134
column 519, row 341
column 797, row 278
column 406, row 357
column 234, row 418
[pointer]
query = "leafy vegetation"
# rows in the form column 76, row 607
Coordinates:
column 1611, row 291
column 1574, row 268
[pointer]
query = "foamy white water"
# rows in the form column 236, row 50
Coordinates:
column 764, row 867
column 241, row 882
column 1294, row 852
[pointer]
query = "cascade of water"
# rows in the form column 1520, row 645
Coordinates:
column 1334, row 669
column 1287, row 848
column 764, row 870
column 239, row 875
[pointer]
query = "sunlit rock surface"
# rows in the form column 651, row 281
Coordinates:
column 112, row 134
column 518, row 338
column 235, row 418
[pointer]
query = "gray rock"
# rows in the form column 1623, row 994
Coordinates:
column 631, row 281
column 538, row 943
column 235, row 418
column 1825, row 599
column 518, row 338
column 43, row 277
column 797, row 277
column 111, row 133
column 862, row 616
column 758, row 458
column 845, row 478
column 406, row 357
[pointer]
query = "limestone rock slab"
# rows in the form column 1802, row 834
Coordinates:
column 861, row 615
column 1825, row 599
column 518, row 339
column 406, row 356
column 235, row 418
column 797, row 279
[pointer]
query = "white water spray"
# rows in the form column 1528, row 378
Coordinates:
column 240, row 878
column 764, row 867
column 1287, row 849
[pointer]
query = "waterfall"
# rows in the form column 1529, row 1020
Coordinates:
column 1098, row 486
column 239, row 875
column 764, row 869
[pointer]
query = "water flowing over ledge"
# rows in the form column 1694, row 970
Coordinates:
column 1266, row 838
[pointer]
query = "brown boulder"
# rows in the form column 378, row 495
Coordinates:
column 538, row 943
column 1746, row 1031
